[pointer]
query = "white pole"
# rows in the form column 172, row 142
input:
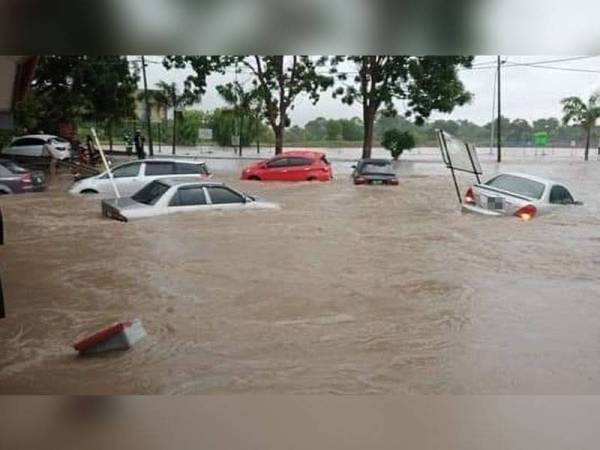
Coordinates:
column 110, row 175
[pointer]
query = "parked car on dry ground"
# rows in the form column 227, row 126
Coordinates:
column 299, row 165
column 176, row 195
column 374, row 171
column 514, row 194
column 131, row 176
column 38, row 146
column 15, row 179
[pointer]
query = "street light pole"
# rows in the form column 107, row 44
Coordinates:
column 499, row 127
column 148, row 124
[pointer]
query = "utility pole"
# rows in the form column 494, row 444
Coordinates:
column 148, row 124
column 499, row 127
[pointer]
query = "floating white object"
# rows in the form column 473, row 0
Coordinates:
column 119, row 336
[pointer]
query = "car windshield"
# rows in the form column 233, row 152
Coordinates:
column 518, row 185
column 377, row 169
column 58, row 140
column 150, row 194
column 14, row 168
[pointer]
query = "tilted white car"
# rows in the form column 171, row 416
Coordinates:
column 515, row 194
column 130, row 177
column 38, row 146
column 176, row 195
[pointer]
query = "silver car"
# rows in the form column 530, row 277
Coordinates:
column 130, row 177
column 515, row 194
column 175, row 195
column 38, row 146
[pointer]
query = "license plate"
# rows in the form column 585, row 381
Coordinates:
column 376, row 182
column 495, row 203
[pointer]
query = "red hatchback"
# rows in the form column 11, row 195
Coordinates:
column 300, row 165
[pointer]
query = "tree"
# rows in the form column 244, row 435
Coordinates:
column 109, row 86
column 427, row 83
column 584, row 115
column 397, row 141
column 334, row 130
column 241, row 102
column 168, row 97
column 279, row 81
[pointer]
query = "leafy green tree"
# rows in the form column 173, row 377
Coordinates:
column 352, row 129
column 316, row 129
column 167, row 96
column 242, row 105
column 334, row 130
column 397, row 141
column 426, row 83
column 582, row 114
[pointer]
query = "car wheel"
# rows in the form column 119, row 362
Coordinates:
column 88, row 191
column 311, row 179
column 254, row 178
column 3, row 193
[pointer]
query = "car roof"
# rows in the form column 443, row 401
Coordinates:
column 307, row 153
column 375, row 160
column 180, row 181
column 542, row 180
column 178, row 160
column 39, row 136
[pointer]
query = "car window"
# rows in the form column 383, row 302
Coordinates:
column 518, row 185
column 279, row 162
column 12, row 167
column 376, row 169
column 26, row 142
column 220, row 195
column 188, row 168
column 298, row 161
column 150, row 193
column 128, row 170
column 4, row 172
column 325, row 160
column 189, row 196
column 159, row 168
column 560, row 195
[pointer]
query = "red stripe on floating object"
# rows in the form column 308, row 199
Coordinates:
column 101, row 336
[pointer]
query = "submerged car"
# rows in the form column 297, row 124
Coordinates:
column 514, row 194
column 38, row 146
column 15, row 179
column 175, row 195
column 374, row 171
column 130, row 177
column 300, row 165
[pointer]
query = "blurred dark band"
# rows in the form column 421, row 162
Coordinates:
column 299, row 26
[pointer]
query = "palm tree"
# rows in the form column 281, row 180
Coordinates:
column 582, row 114
column 167, row 96
column 241, row 103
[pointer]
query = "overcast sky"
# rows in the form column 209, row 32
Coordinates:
column 527, row 92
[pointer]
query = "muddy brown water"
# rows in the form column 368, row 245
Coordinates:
column 344, row 290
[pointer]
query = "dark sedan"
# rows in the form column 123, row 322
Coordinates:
column 15, row 179
column 374, row 171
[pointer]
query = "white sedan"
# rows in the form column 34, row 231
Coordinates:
column 175, row 195
column 514, row 194
column 131, row 176
column 39, row 146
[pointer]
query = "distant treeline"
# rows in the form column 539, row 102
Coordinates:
column 348, row 132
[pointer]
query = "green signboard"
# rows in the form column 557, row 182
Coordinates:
column 540, row 138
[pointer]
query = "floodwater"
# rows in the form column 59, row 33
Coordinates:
column 347, row 289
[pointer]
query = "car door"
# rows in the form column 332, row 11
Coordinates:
column 298, row 169
column 155, row 170
column 126, row 177
column 221, row 197
column 276, row 169
column 188, row 198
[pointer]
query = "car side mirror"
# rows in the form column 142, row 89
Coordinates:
column 578, row 202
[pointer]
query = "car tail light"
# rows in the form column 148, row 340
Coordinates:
column 470, row 196
column 360, row 180
column 26, row 178
column 527, row 212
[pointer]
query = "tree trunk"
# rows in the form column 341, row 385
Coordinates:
column 241, row 130
column 587, row 143
column 110, row 137
column 278, row 138
column 174, row 131
column 369, row 123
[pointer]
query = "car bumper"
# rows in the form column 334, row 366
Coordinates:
column 478, row 210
